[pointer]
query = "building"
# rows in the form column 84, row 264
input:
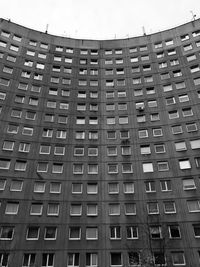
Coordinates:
column 99, row 149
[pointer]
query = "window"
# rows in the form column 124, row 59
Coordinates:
column 49, row 117
column 180, row 146
column 62, row 119
column 159, row 258
column 184, row 164
column 27, row 131
column 80, row 120
column 191, row 127
column 8, row 145
column 91, row 259
column 50, row 233
column 177, row 73
column 160, row 148
column 177, row 129
column 187, row 47
column 122, row 106
column 57, row 168
column 164, row 76
column 173, row 114
column 155, row 117
column 143, row 133
column 141, row 118
column 193, row 205
column 35, row 88
column 45, row 149
column 20, row 166
column 162, row 65
column 19, row 99
column 174, row 231
column 29, row 259
column 30, row 115
column 12, row 129
column 169, row 207
column 4, row 82
column 150, row 187
column 4, row 164
column 80, row 135
column 6, row 232
column 165, row 185
column 152, row 208
column 47, row 133
column 147, row 167
column 32, row 233
column 157, row 132
column 178, row 258
column 115, row 232
column 133, row 258
column 196, row 229
column 53, row 209
column 36, row 209
column 113, row 188
column 132, row 232
column 92, row 210
column 73, row 260
column 128, row 188
column 59, row 150
column 174, row 62
column 111, row 120
column 123, row 120
column 12, row 208
column 39, row 187
column 130, row 209
column 127, row 168
column 163, row 166
column 76, row 210
column 191, row 57
column 195, row 144
column 55, row 188
column 93, row 135
column 155, row 232
column 115, row 259
column 113, row 168
column 167, row 88
column 92, row 188
column 14, row 48
column 2, row 184
column 170, row 100
column 16, row 185
column 114, row 209
column 180, row 85
column 74, row 233
column 187, row 112
column 62, row 134
column 93, row 120
column 183, row 98
column 92, row 151
column 126, row 150
column 7, row 70
column 93, row 169
column 78, row 168
column 77, row 188
column 91, row 233
column 47, row 259
column 4, row 257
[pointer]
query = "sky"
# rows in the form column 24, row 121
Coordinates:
column 100, row 19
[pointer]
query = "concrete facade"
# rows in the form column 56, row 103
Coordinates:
column 99, row 149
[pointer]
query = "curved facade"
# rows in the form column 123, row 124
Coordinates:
column 99, row 149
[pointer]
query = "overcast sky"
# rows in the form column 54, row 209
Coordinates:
column 100, row 19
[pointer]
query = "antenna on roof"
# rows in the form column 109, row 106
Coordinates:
column 47, row 26
column 143, row 29
column 193, row 15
